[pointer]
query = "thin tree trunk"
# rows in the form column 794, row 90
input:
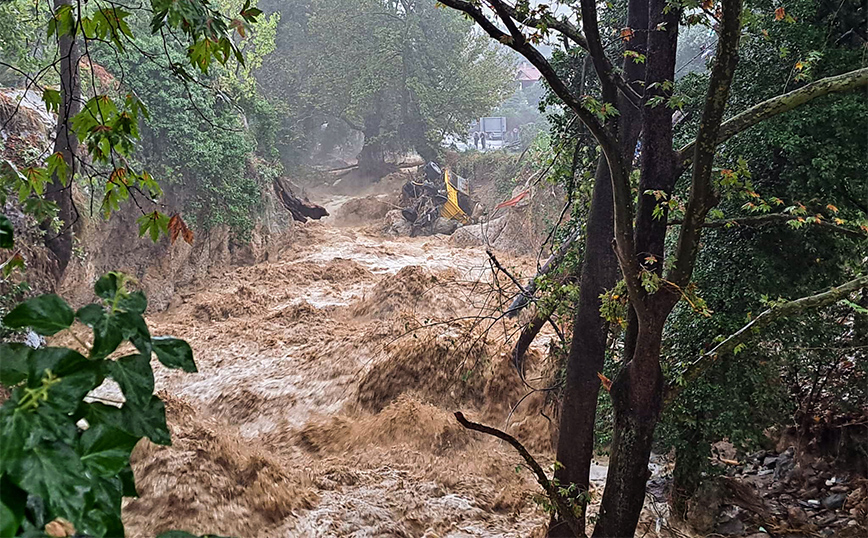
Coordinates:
column 66, row 143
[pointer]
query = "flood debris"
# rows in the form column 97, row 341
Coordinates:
column 301, row 209
column 436, row 202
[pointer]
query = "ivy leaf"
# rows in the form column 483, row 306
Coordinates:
column 174, row 353
column 105, row 451
column 46, row 315
column 13, row 367
column 134, row 375
column 53, row 472
column 6, row 233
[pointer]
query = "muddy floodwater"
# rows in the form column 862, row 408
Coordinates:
column 323, row 405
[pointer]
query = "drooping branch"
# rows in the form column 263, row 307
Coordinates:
column 524, row 297
column 780, row 104
column 776, row 312
column 702, row 197
column 562, row 505
column 772, row 218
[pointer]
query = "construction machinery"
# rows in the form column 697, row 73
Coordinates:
column 438, row 194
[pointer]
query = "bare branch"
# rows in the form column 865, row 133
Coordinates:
column 562, row 504
column 520, row 45
column 776, row 312
column 522, row 299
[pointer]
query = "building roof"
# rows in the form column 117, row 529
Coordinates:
column 527, row 73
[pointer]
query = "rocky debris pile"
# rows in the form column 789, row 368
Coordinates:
column 785, row 495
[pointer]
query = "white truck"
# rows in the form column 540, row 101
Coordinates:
column 494, row 127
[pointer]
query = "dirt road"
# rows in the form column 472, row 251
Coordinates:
column 322, row 407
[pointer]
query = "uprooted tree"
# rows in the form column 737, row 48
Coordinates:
column 627, row 234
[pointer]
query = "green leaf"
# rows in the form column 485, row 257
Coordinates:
column 57, row 167
column 52, row 101
column 136, row 378
column 108, row 285
column 12, row 504
column 135, row 302
column 154, row 224
column 174, row 353
column 105, row 451
column 46, row 315
column 53, row 471
column 128, row 482
column 91, row 314
column 75, row 376
column 6, row 232
column 13, row 366
column 107, row 336
column 134, row 328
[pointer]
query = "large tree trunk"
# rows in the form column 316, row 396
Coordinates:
column 599, row 273
column 66, row 143
column 637, row 399
column 372, row 159
column 637, row 392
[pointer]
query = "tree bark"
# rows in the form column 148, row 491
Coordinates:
column 599, row 273
column 637, row 399
column 372, row 159
column 66, row 143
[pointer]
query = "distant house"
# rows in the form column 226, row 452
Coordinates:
column 527, row 75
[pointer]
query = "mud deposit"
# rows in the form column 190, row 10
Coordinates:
column 323, row 406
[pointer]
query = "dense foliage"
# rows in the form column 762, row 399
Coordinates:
column 398, row 75
column 65, row 456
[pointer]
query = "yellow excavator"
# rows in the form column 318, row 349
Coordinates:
column 439, row 193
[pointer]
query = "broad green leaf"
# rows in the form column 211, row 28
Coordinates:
column 13, row 365
column 148, row 421
column 105, row 451
column 6, row 233
column 174, row 353
column 134, row 329
column 107, row 336
column 54, row 472
column 90, row 314
column 46, row 315
column 107, row 286
column 135, row 302
column 12, row 504
column 136, row 378
column 128, row 482
column 74, row 376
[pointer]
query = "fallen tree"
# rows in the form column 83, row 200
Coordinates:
column 300, row 209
